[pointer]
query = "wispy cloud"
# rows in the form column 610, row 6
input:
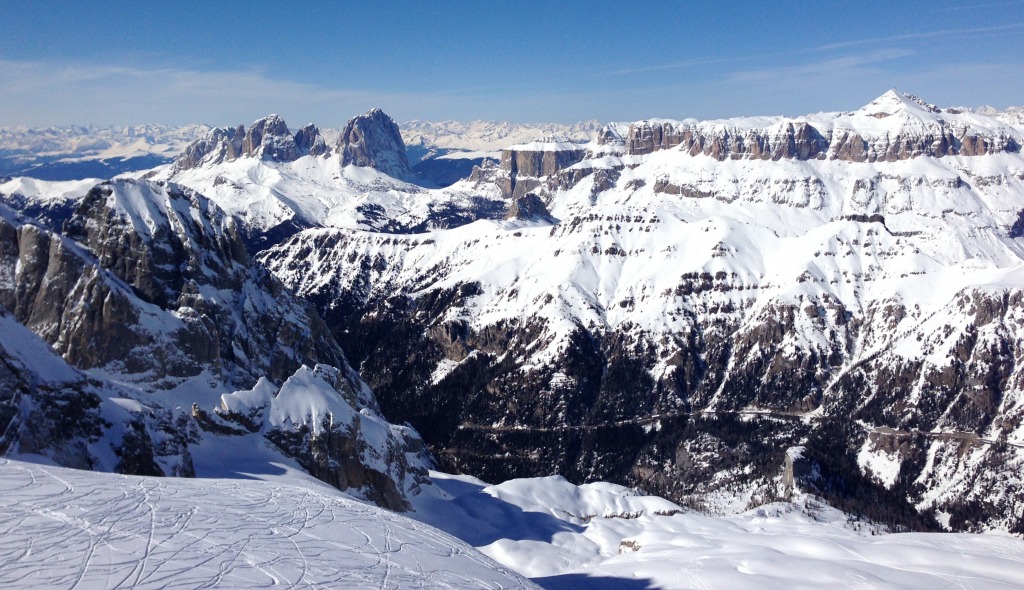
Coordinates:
column 829, row 47
column 977, row 6
column 829, row 66
column 923, row 35
column 46, row 93
column 688, row 63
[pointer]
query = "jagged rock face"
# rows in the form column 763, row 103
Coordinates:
column 182, row 238
column 910, row 128
column 373, row 140
column 219, row 145
column 529, row 208
column 163, row 287
column 267, row 139
column 524, row 168
column 270, row 139
column 152, row 283
column 798, row 141
column 309, row 141
column 49, row 408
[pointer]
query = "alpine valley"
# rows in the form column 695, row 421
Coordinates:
column 688, row 353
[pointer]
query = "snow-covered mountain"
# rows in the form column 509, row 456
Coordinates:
column 182, row 348
column 704, row 295
column 434, row 138
column 76, row 152
column 444, row 152
column 364, row 181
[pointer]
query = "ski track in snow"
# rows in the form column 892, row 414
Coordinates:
column 81, row 530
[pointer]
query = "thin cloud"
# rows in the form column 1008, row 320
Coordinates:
column 826, row 66
column 922, row 35
column 817, row 49
column 977, row 6
column 700, row 61
column 45, row 93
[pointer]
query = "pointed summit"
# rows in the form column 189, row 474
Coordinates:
column 269, row 139
column 373, row 140
column 894, row 101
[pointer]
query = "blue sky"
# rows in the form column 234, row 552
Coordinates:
column 229, row 62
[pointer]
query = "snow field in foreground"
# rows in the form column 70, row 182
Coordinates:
column 62, row 528
column 68, row 528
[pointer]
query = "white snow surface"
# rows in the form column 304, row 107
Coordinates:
column 489, row 136
column 90, row 143
column 70, row 528
column 313, row 190
column 607, row 536
column 76, row 529
column 47, row 191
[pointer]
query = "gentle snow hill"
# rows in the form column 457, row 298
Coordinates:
column 605, row 536
column 67, row 528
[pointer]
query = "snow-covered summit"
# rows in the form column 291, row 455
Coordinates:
column 893, row 101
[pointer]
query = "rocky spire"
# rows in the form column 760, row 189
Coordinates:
column 372, row 140
column 267, row 139
column 309, row 141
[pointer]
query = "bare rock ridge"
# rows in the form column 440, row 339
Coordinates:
column 153, row 280
column 373, row 140
column 266, row 139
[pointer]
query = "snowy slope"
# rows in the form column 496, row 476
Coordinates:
column 606, row 536
column 66, row 528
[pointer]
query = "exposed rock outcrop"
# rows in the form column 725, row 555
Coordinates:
column 316, row 417
column 155, row 280
column 372, row 140
column 526, row 167
column 529, row 208
column 267, row 139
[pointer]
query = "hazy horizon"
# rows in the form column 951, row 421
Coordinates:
column 129, row 63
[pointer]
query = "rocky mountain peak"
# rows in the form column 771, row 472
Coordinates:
column 267, row 139
column 529, row 207
column 310, row 141
column 893, row 101
column 373, row 140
